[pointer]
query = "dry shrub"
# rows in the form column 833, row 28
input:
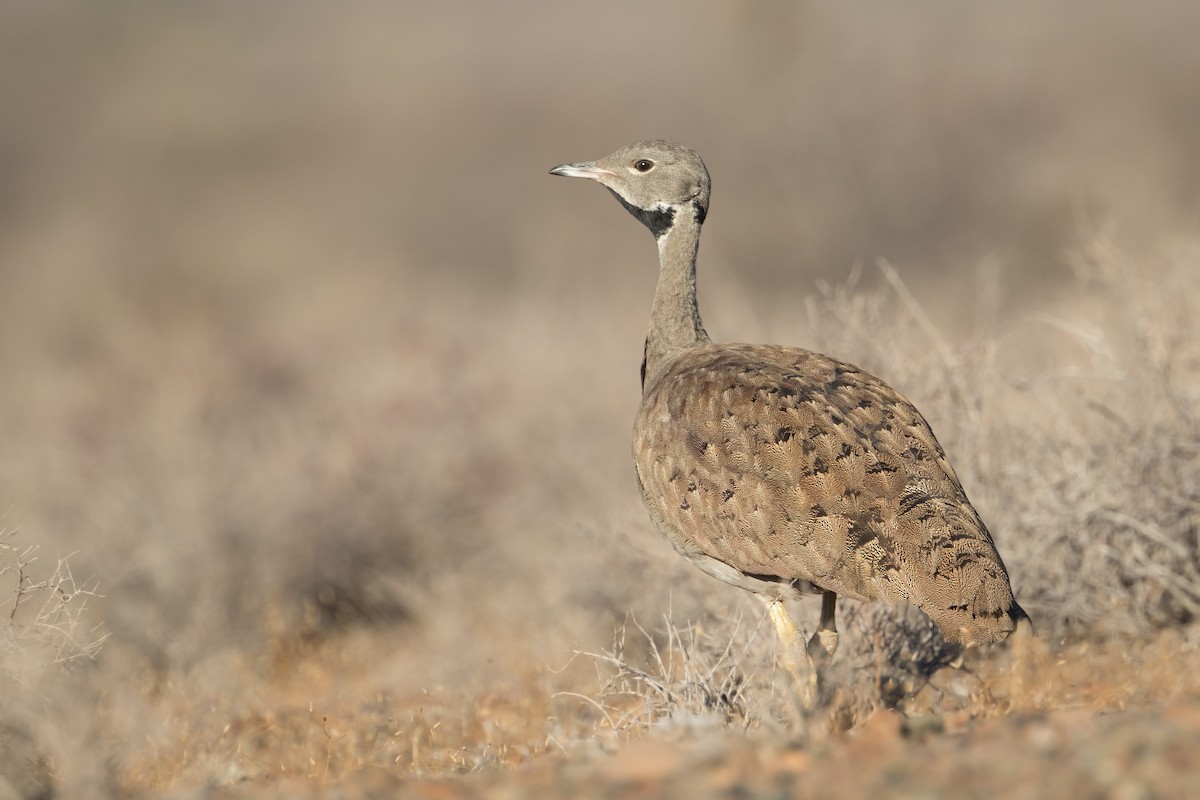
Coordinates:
column 724, row 672
column 45, row 630
column 690, row 677
column 43, row 616
column 1102, row 503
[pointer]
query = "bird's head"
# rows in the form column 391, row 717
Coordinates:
column 655, row 180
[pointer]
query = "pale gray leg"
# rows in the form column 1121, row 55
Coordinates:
column 824, row 642
column 796, row 658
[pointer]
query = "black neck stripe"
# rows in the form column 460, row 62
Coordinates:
column 658, row 220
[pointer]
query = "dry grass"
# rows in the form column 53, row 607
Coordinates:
column 327, row 388
column 690, row 680
column 44, row 615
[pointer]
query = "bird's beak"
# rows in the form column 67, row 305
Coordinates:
column 584, row 169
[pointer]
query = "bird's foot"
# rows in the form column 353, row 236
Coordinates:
column 822, row 646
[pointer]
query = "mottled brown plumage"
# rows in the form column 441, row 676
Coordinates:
column 776, row 468
column 784, row 471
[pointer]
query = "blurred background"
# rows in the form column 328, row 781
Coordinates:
column 299, row 340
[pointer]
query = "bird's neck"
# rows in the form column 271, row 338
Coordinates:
column 675, row 323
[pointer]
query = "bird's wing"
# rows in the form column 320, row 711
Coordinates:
column 789, row 465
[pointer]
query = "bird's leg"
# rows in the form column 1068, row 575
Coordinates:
column 795, row 654
column 824, row 642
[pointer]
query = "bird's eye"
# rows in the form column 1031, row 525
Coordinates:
column 643, row 165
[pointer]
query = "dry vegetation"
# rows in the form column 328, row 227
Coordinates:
column 316, row 393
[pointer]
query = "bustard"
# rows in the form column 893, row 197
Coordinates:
column 784, row 471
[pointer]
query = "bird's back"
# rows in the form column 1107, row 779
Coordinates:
column 773, row 465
